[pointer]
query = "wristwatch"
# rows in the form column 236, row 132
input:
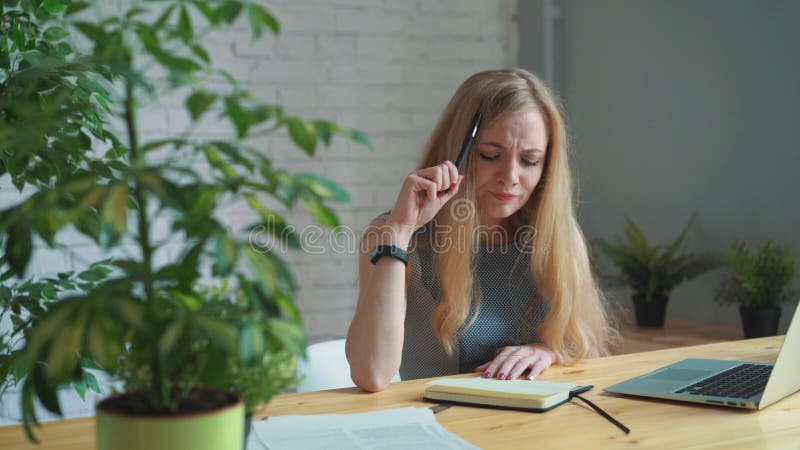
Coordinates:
column 392, row 251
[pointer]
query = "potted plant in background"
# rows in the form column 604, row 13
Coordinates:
column 72, row 147
column 653, row 270
column 758, row 281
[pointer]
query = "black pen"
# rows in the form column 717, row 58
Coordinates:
column 468, row 139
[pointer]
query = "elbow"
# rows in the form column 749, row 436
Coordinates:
column 370, row 382
column 370, row 374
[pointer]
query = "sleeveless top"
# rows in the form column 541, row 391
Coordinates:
column 505, row 316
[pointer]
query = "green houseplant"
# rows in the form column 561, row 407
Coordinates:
column 71, row 145
column 24, row 301
column 758, row 281
column 653, row 270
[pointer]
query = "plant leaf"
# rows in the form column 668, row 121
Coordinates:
column 214, row 158
column 226, row 253
column 91, row 381
column 288, row 334
column 273, row 224
column 62, row 357
column 324, row 215
column 200, row 52
column 80, row 388
column 163, row 18
column 228, row 11
column 303, row 134
column 222, row 333
column 170, row 337
column 238, row 116
column 360, row 137
column 185, row 25
column 322, row 187
column 54, row 6
column 199, row 102
column 115, row 206
column 18, row 248
column 258, row 17
column 55, row 34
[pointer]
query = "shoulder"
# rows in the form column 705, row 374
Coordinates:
column 372, row 231
column 379, row 221
column 382, row 217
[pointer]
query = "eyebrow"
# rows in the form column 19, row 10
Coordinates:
column 502, row 147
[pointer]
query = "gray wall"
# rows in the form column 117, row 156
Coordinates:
column 681, row 106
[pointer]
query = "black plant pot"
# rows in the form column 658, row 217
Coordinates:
column 248, row 425
column 759, row 321
column 650, row 314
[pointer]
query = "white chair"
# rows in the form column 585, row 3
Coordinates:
column 326, row 367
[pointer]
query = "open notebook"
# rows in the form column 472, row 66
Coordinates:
column 514, row 394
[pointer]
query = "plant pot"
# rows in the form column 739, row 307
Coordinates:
column 759, row 321
column 248, row 426
column 218, row 428
column 650, row 314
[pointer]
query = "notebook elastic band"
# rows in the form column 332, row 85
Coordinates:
column 601, row 412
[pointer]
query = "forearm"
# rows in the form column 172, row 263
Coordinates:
column 375, row 338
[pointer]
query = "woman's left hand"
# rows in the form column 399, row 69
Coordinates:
column 513, row 360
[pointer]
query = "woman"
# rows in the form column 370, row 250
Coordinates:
column 498, row 281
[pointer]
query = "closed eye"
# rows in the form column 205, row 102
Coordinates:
column 525, row 162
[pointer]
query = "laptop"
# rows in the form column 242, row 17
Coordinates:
column 736, row 384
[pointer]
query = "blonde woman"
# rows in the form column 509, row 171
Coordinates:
column 485, row 270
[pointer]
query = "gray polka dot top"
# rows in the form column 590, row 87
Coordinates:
column 506, row 289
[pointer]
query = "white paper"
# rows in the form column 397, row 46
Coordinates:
column 415, row 428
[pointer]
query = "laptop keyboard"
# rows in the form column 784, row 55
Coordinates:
column 742, row 381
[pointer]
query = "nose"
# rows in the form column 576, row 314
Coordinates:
column 508, row 173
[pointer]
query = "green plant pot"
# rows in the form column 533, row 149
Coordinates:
column 220, row 428
column 759, row 322
column 650, row 314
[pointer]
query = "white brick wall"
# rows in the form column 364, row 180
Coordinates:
column 384, row 67
column 387, row 68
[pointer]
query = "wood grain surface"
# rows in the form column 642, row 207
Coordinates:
column 653, row 423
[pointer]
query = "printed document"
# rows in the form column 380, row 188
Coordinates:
column 410, row 427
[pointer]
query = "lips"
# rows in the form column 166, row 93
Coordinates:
column 503, row 197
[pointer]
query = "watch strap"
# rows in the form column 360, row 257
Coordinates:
column 391, row 251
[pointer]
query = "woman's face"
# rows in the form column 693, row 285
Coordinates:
column 509, row 157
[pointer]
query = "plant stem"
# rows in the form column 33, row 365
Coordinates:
column 143, row 232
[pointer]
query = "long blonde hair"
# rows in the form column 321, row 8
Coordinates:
column 577, row 324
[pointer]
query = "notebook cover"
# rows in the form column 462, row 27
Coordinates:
column 577, row 390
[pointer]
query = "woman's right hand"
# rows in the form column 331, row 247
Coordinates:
column 422, row 196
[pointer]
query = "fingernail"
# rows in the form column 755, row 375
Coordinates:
column 531, row 377
column 500, row 376
column 508, row 377
column 487, row 374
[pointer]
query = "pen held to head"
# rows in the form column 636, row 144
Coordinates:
column 467, row 144
column 452, row 186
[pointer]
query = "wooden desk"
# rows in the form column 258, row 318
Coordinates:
column 676, row 332
column 653, row 423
